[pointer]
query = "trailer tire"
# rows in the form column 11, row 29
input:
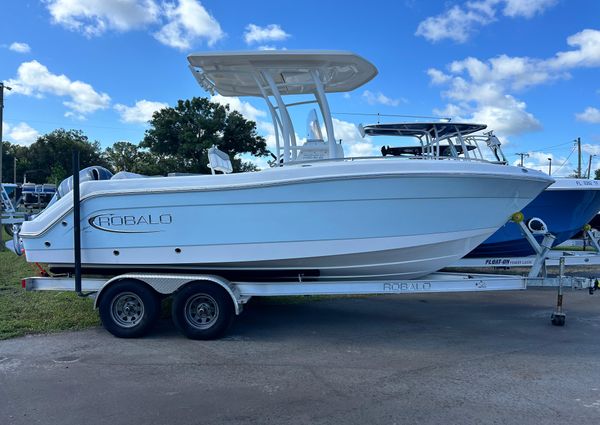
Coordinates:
column 203, row 311
column 8, row 228
column 129, row 309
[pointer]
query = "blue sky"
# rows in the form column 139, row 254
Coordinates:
column 527, row 68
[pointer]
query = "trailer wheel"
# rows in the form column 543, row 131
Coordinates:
column 9, row 230
column 129, row 309
column 203, row 311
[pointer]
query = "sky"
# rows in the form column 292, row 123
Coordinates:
column 529, row 69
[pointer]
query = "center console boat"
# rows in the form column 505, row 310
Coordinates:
column 315, row 214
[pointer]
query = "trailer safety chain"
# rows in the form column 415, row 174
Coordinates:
column 42, row 271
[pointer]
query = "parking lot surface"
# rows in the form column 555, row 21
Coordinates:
column 435, row 358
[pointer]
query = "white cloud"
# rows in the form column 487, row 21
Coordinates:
column 187, row 22
column 591, row 149
column 94, row 17
column 459, row 22
column 380, row 98
column 183, row 22
column 456, row 24
column 585, row 54
column 526, row 8
column 243, row 107
column 141, row 112
column 483, row 90
column 20, row 47
column 437, row 76
column 591, row 115
column 257, row 34
column 21, row 134
column 508, row 117
column 561, row 165
column 34, row 79
column 353, row 143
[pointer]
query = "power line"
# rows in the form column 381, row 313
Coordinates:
column 566, row 160
column 522, row 155
column 389, row 115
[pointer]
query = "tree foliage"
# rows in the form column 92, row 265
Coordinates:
column 182, row 135
column 9, row 153
column 49, row 160
column 177, row 141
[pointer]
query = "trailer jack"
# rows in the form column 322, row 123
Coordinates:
column 593, row 288
column 559, row 317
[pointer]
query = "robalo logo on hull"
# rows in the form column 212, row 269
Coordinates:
column 117, row 223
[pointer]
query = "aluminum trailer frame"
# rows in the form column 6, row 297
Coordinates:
column 545, row 255
column 165, row 284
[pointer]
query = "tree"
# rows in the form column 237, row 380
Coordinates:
column 597, row 174
column 9, row 153
column 123, row 156
column 49, row 158
column 180, row 137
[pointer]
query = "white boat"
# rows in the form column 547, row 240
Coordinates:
column 315, row 215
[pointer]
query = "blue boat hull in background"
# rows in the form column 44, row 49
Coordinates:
column 565, row 212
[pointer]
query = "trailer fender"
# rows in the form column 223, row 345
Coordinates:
column 167, row 284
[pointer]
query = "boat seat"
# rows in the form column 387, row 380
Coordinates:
column 219, row 161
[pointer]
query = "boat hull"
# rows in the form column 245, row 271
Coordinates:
column 345, row 220
column 565, row 207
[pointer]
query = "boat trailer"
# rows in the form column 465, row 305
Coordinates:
column 204, row 305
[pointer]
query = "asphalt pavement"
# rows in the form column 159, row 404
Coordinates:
column 434, row 359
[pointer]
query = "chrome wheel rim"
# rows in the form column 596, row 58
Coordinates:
column 127, row 309
column 201, row 311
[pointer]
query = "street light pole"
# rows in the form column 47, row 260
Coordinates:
column 2, row 87
column 549, row 166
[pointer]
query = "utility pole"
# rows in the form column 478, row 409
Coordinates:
column 2, row 87
column 523, row 155
column 15, row 171
column 589, row 171
column 578, row 141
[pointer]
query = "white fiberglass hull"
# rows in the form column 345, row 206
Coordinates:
column 345, row 219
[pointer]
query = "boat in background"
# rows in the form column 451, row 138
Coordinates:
column 314, row 215
column 563, row 208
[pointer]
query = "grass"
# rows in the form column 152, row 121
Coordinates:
column 23, row 313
